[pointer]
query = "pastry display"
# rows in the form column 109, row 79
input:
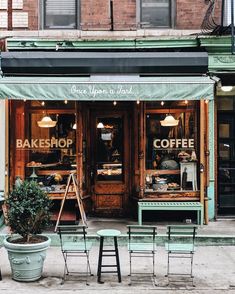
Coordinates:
column 173, row 186
column 184, row 156
column 34, row 164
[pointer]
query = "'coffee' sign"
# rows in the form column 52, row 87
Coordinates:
column 173, row 143
column 43, row 143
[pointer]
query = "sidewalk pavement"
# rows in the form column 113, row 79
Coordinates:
column 214, row 272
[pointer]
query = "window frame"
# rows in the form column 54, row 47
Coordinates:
column 172, row 13
column 43, row 17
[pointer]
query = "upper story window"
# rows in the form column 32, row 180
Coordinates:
column 60, row 14
column 155, row 13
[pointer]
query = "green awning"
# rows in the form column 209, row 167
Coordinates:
column 110, row 88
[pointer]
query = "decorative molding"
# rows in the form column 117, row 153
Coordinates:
column 222, row 62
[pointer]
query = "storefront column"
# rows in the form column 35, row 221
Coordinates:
column 211, row 188
column 2, row 145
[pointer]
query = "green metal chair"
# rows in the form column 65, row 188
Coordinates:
column 73, row 243
column 141, row 243
column 181, row 244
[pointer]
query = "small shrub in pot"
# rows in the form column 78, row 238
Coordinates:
column 28, row 213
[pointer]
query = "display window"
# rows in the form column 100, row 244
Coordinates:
column 48, row 147
column 172, row 140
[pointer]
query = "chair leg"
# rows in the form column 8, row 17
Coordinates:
column 191, row 272
column 66, row 270
column 130, row 268
column 117, row 260
column 100, row 260
column 0, row 275
column 88, row 270
column 154, row 276
column 168, row 265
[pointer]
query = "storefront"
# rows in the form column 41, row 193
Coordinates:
column 122, row 143
column 129, row 137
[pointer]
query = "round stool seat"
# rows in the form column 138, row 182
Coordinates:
column 108, row 233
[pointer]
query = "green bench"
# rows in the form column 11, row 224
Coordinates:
column 177, row 206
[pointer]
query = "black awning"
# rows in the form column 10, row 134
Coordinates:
column 103, row 62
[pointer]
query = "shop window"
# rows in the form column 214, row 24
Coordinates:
column 156, row 13
column 109, row 149
column 50, row 151
column 60, row 14
column 172, row 151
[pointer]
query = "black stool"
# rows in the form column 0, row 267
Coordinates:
column 113, row 234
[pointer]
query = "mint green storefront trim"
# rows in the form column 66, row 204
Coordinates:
column 211, row 188
column 84, row 89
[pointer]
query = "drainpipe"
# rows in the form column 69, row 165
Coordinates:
column 9, row 10
column 232, row 25
column 222, row 13
column 111, row 15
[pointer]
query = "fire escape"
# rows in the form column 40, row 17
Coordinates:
column 225, row 26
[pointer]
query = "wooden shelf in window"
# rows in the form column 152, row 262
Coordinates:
column 163, row 171
column 51, row 172
column 59, row 195
column 181, row 195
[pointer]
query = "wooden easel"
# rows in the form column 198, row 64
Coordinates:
column 72, row 179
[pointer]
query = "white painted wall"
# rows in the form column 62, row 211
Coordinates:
column 2, row 145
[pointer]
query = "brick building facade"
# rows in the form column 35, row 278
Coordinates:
column 99, row 15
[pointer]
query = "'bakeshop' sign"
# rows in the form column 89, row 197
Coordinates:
column 43, row 143
column 173, row 143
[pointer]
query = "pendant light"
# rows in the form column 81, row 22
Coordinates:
column 47, row 122
column 169, row 121
column 100, row 125
column 75, row 123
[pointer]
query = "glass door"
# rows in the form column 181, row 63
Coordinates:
column 110, row 149
column 226, row 156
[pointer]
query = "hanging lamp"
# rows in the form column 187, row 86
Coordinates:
column 169, row 121
column 100, row 125
column 46, row 122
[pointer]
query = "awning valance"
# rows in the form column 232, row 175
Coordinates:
column 89, row 89
column 56, row 62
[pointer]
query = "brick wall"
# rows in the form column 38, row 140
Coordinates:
column 124, row 14
column 31, row 7
column 95, row 15
column 190, row 13
column 24, row 14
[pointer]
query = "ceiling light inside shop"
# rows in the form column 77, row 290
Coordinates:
column 100, row 125
column 114, row 103
column 226, row 88
column 43, row 103
column 138, row 102
column 162, row 103
column 47, row 122
column 65, row 101
column 169, row 121
column 75, row 126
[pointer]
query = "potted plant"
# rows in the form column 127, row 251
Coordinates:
column 28, row 213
